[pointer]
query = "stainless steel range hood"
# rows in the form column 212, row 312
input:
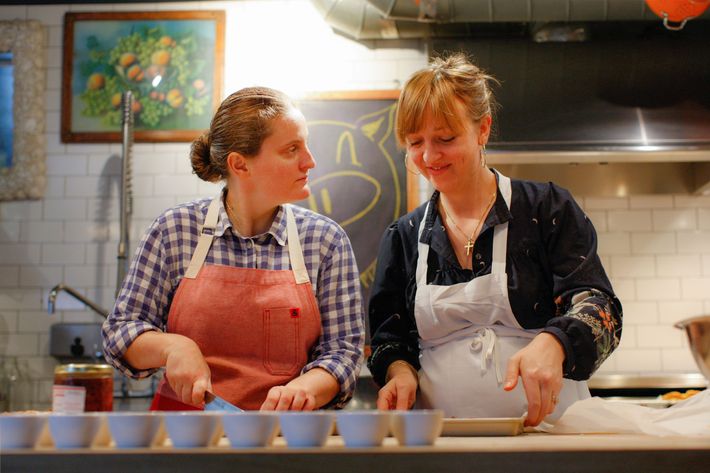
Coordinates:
column 595, row 94
column 388, row 19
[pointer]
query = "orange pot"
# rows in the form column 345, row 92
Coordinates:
column 676, row 13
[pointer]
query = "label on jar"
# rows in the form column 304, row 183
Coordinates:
column 68, row 398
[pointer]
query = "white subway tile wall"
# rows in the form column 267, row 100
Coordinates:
column 656, row 248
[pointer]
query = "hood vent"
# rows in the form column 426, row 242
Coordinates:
column 390, row 19
column 589, row 90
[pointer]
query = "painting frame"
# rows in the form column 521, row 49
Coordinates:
column 26, row 177
column 117, row 71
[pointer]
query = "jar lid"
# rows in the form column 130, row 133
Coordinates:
column 84, row 368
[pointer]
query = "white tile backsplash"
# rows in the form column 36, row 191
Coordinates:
column 704, row 219
column 657, row 289
column 638, row 360
column 678, row 359
column 614, row 243
column 8, row 323
column 678, row 265
column 9, row 276
column 655, row 248
column 632, row 266
column 671, row 312
column 682, row 219
column 653, row 336
column 20, row 253
column 63, row 253
column 630, row 220
column 606, row 203
column 640, row 313
column 34, row 321
column 65, row 209
column 39, row 232
column 20, row 299
column 67, row 165
column 41, row 276
column 653, row 243
column 10, row 231
column 695, row 288
column 694, row 242
column 20, row 344
column 651, row 202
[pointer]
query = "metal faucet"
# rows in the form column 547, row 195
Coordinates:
column 51, row 300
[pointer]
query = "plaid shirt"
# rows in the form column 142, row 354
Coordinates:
column 165, row 252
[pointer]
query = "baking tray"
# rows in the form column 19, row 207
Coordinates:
column 483, row 427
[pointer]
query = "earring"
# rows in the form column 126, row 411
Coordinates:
column 483, row 155
column 406, row 159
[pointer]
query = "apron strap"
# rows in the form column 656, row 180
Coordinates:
column 295, row 253
column 207, row 236
column 205, row 241
column 500, row 232
column 500, row 237
column 485, row 341
column 423, row 250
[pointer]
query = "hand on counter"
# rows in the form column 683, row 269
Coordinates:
column 539, row 364
column 307, row 392
column 401, row 389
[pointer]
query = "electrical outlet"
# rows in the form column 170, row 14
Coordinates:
column 76, row 342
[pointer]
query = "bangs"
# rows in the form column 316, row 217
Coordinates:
column 422, row 95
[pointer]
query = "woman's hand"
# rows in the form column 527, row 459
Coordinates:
column 307, row 392
column 401, row 389
column 186, row 370
column 540, row 366
column 285, row 398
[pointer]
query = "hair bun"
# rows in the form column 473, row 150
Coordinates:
column 200, row 158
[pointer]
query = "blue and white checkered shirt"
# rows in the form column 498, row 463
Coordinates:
column 165, row 252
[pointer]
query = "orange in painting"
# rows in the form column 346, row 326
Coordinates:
column 160, row 58
column 96, row 81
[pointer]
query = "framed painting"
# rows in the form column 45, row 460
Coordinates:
column 360, row 179
column 171, row 61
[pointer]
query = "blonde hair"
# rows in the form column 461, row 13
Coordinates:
column 241, row 124
column 437, row 88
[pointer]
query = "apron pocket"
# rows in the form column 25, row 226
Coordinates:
column 281, row 340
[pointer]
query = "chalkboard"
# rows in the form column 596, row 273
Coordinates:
column 360, row 180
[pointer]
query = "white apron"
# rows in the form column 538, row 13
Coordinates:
column 467, row 334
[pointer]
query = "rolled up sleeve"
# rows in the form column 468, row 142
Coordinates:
column 142, row 303
column 339, row 350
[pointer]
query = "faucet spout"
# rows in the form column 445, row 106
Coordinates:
column 54, row 292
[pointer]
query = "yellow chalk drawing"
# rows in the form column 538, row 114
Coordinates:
column 363, row 212
column 327, row 204
column 378, row 127
column 346, row 136
column 370, row 129
column 312, row 203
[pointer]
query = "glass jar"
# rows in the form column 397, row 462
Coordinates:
column 92, row 381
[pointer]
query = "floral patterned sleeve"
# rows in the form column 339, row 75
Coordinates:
column 588, row 324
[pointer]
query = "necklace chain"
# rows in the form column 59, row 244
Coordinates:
column 469, row 239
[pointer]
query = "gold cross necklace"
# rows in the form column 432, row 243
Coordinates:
column 469, row 239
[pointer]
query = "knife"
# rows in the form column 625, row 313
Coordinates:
column 216, row 403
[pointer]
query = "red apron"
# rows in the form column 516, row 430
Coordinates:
column 255, row 327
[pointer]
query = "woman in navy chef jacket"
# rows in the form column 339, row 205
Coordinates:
column 243, row 294
column 490, row 297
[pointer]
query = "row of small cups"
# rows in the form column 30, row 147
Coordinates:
column 191, row 429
